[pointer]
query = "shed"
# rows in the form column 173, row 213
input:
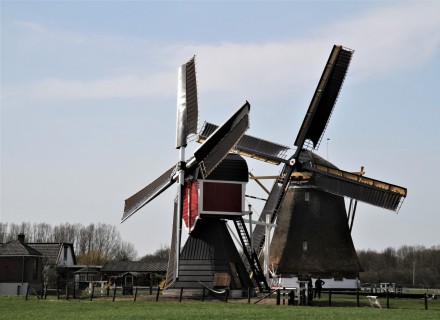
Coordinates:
column 86, row 275
column 132, row 273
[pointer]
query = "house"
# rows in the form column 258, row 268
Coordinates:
column 21, row 267
column 56, row 254
column 133, row 273
column 58, row 260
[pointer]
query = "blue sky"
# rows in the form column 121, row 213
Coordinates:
column 88, row 98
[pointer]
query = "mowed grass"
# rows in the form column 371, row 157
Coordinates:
column 342, row 308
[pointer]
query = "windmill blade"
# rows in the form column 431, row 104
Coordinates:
column 250, row 146
column 218, row 145
column 325, row 96
column 144, row 196
column 358, row 187
column 187, row 104
column 173, row 259
column 312, row 128
column 270, row 208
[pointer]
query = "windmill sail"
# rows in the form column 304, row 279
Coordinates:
column 218, row 145
column 312, row 128
column 172, row 260
column 269, row 208
column 250, row 146
column 208, row 155
column 187, row 104
column 151, row 191
column 358, row 187
column 325, row 96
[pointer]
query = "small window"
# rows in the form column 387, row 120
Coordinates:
column 305, row 245
column 35, row 269
column 65, row 252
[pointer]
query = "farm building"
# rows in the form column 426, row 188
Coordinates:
column 133, row 273
column 21, row 266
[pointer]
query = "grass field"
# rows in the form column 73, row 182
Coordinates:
column 147, row 308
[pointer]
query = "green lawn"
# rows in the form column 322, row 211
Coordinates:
column 342, row 308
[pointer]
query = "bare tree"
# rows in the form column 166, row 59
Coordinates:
column 93, row 244
column 161, row 254
column 3, row 232
column 125, row 251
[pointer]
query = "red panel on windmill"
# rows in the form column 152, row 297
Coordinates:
column 190, row 212
column 222, row 197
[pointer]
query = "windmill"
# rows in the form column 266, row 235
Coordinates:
column 211, row 188
column 307, row 199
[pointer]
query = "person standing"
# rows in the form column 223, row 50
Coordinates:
column 318, row 287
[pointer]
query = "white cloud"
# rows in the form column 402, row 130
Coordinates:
column 118, row 87
column 38, row 34
column 392, row 38
column 386, row 39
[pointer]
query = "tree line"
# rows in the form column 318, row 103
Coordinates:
column 408, row 266
column 98, row 243
column 93, row 244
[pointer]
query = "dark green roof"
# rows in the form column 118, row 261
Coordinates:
column 135, row 266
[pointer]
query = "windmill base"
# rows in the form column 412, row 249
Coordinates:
column 197, row 293
column 330, row 283
column 209, row 258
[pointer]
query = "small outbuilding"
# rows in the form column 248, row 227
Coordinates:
column 21, row 267
column 133, row 273
column 86, row 275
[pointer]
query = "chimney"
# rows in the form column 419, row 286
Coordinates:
column 20, row 237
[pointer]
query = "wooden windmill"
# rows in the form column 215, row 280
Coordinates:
column 211, row 190
column 307, row 199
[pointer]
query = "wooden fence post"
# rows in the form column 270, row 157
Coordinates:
column 278, row 297
column 58, row 293
column 388, row 299
column 330, row 298
column 426, row 301
column 157, row 295
column 27, row 291
column 357, row 297
column 114, row 293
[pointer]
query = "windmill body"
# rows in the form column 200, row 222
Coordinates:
column 312, row 238
column 209, row 251
column 313, row 234
column 210, row 190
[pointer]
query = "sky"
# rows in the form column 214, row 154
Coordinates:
column 88, row 103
